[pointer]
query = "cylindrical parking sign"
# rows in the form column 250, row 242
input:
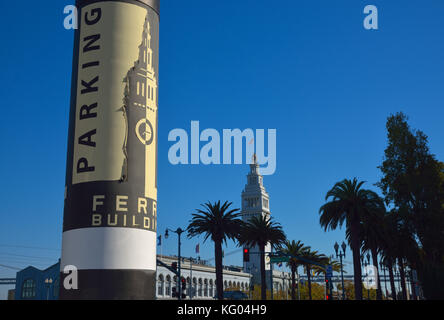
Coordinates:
column 110, row 214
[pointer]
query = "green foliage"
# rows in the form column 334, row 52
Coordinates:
column 317, row 291
column 348, row 203
column 260, row 230
column 350, row 292
column 216, row 221
column 413, row 183
column 219, row 223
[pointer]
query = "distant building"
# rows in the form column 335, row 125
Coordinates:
column 256, row 202
column 35, row 284
column 202, row 277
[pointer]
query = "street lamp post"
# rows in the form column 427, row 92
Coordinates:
column 341, row 254
column 179, row 231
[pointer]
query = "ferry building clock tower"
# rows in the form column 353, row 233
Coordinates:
column 255, row 202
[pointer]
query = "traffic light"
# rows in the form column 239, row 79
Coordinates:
column 184, row 284
column 174, row 266
column 174, row 294
column 246, row 255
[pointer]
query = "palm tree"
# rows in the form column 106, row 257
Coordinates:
column 220, row 223
column 388, row 248
column 348, row 204
column 309, row 259
column 259, row 231
column 294, row 249
column 388, row 261
column 324, row 260
column 372, row 234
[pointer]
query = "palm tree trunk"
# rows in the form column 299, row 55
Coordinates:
column 413, row 286
column 219, row 269
column 402, row 275
column 375, row 264
column 263, row 281
column 309, row 282
column 392, row 279
column 293, row 283
column 355, row 246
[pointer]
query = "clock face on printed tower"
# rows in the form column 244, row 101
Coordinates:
column 255, row 202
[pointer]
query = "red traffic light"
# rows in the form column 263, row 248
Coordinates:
column 246, row 254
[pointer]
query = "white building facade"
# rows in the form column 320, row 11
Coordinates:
column 201, row 276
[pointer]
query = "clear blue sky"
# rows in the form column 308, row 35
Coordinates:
column 306, row 68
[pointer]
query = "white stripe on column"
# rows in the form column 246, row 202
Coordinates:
column 109, row 248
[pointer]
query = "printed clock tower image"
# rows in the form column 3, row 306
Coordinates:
column 140, row 103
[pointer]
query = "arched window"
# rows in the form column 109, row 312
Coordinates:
column 199, row 290
column 189, row 288
column 28, row 289
column 211, row 294
column 160, row 285
column 194, row 287
column 168, row 286
column 206, row 288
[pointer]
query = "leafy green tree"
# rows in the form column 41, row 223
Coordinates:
column 219, row 223
column 294, row 249
column 413, row 183
column 259, row 231
column 349, row 203
column 313, row 292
